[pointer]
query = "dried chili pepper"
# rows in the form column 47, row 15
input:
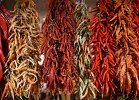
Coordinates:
column 58, row 67
column 23, row 71
column 82, row 53
column 2, row 57
column 103, row 48
column 127, row 53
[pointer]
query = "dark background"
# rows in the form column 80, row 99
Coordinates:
column 42, row 6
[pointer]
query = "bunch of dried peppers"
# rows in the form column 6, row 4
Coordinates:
column 98, row 61
column 103, row 48
column 116, row 63
column 23, row 71
column 82, row 52
column 59, row 66
column 127, row 53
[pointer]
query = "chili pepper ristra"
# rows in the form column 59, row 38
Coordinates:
column 127, row 53
column 23, row 75
column 103, row 49
column 82, row 52
column 59, row 30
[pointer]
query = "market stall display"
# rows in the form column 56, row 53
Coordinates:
column 84, row 53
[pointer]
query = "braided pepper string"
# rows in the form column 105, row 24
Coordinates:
column 82, row 53
column 58, row 67
column 127, row 53
column 23, row 70
column 103, row 49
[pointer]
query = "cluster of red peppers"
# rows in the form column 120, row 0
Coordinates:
column 115, row 47
column 127, row 53
column 103, row 49
column 5, row 16
column 59, row 66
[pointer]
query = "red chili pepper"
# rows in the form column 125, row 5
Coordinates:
column 2, row 58
column 3, row 25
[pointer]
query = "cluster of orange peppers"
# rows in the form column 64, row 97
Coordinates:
column 103, row 49
column 115, row 47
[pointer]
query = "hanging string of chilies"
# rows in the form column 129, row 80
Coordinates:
column 127, row 54
column 22, row 63
column 82, row 52
column 59, row 66
column 103, row 49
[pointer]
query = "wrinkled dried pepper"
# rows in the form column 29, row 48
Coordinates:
column 127, row 53
column 23, row 71
column 103, row 48
column 82, row 53
column 58, row 67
